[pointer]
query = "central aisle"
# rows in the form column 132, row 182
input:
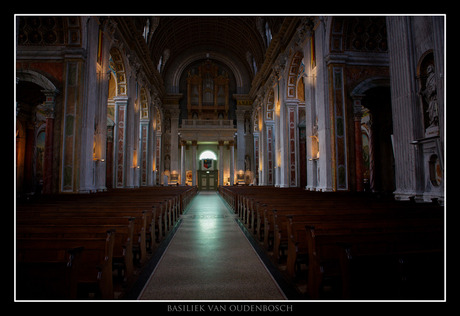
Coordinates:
column 209, row 258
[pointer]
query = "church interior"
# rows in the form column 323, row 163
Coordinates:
column 291, row 125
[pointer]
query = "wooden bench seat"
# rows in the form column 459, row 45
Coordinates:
column 138, row 218
column 123, row 244
column 94, row 266
column 139, row 244
column 51, row 276
column 346, row 225
column 329, row 253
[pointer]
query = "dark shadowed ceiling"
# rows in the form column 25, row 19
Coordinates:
column 236, row 34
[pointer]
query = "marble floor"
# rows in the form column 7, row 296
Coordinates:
column 210, row 258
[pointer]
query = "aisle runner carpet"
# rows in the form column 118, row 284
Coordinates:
column 209, row 258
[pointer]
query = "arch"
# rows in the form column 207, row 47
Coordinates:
column 208, row 154
column 158, row 119
column 144, row 104
column 269, row 106
column 358, row 34
column 293, row 72
column 117, row 67
column 39, row 93
column 369, row 83
column 37, row 78
column 175, row 73
column 427, row 57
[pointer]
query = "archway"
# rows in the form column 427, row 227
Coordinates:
column 207, row 172
column 35, row 100
column 377, row 132
column 116, row 120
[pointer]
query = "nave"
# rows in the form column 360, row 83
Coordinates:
column 209, row 258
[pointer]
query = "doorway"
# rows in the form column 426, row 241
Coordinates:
column 207, row 180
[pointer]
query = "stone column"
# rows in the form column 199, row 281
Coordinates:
column 158, row 166
column 121, row 103
column 100, row 132
column 194, row 147
column 221, row 162
column 232, row 162
column 151, row 152
column 405, row 110
column 262, row 156
column 49, row 132
column 174, row 140
column 324, row 171
column 292, row 144
column 256, row 157
column 183, row 143
column 438, row 52
column 357, row 115
column 144, row 148
column 88, row 111
column 240, row 140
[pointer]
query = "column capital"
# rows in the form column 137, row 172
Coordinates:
column 194, row 143
column 231, row 143
column 120, row 100
column 183, row 142
column 357, row 106
column 221, row 143
column 50, row 95
column 174, row 113
column 50, row 101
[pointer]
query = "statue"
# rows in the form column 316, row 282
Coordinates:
column 247, row 163
column 430, row 96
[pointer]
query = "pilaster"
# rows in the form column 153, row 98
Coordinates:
column 121, row 104
column 194, row 175
column 49, row 141
column 144, row 144
column 221, row 162
column 183, row 145
column 323, row 111
column 406, row 123
column 357, row 115
column 232, row 162
column 174, row 140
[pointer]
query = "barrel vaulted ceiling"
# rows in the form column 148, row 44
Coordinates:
column 241, row 37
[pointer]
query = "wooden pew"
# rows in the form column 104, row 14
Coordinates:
column 52, row 276
column 94, row 268
column 91, row 217
column 279, row 216
column 123, row 243
column 153, row 210
column 330, row 252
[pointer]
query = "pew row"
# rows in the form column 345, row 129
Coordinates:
column 335, row 235
column 137, row 219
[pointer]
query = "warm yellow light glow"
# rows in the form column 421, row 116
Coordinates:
column 207, row 154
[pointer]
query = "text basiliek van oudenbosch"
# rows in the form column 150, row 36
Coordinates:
column 230, row 308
